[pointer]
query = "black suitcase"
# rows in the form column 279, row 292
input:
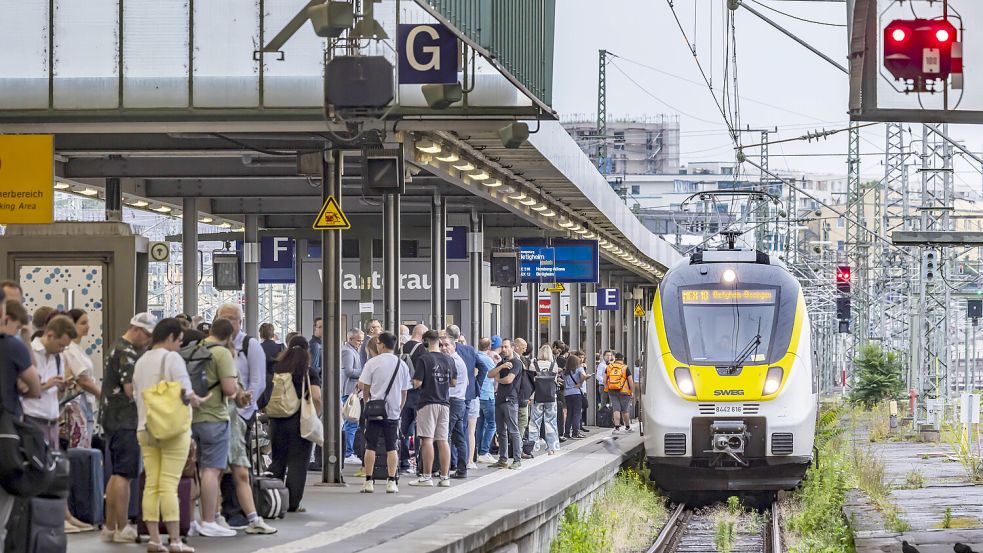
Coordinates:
column 381, row 469
column 37, row 525
column 604, row 419
column 60, row 484
column 85, row 498
column 270, row 494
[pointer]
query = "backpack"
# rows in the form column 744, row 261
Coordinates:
column 617, row 377
column 283, row 401
column 545, row 385
column 197, row 356
column 407, row 358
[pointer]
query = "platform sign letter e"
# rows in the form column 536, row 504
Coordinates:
column 608, row 299
column 427, row 54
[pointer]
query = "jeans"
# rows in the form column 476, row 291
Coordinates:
column 523, row 418
column 407, row 426
column 507, row 421
column 163, row 462
column 349, row 429
column 583, row 409
column 456, row 435
column 486, row 426
column 290, row 453
column 6, row 506
column 572, row 424
column 544, row 413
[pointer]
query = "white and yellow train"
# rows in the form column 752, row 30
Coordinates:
column 729, row 399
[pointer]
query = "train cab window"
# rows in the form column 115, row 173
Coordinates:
column 728, row 326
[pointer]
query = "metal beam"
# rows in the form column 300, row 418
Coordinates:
column 170, row 166
column 936, row 238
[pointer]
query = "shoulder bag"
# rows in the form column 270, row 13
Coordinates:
column 375, row 410
column 167, row 414
column 311, row 427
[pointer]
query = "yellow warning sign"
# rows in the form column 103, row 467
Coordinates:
column 331, row 217
column 639, row 312
column 27, row 168
column 557, row 288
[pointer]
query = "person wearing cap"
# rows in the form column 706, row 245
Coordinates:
column 119, row 421
column 495, row 353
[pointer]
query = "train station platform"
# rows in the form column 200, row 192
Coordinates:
column 494, row 510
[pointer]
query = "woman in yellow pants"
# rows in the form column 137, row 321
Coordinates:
column 163, row 460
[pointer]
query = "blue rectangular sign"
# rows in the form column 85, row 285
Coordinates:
column 457, row 242
column 276, row 259
column 608, row 299
column 427, row 54
column 558, row 260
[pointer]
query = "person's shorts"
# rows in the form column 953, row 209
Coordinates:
column 433, row 421
column 387, row 428
column 213, row 444
column 620, row 402
column 238, row 452
column 474, row 409
column 124, row 453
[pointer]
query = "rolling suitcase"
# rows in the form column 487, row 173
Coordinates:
column 270, row 494
column 381, row 469
column 85, row 498
column 185, row 502
column 37, row 525
column 604, row 418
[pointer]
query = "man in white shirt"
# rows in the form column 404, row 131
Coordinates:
column 47, row 350
column 606, row 358
column 373, row 382
column 457, row 428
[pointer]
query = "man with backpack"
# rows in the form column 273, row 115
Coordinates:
column 434, row 375
column 412, row 351
column 16, row 367
column 618, row 387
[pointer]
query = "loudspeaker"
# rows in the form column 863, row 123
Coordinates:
column 332, row 18
column 441, row 96
column 514, row 135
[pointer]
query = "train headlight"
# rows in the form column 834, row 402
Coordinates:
column 773, row 381
column 730, row 276
column 684, row 381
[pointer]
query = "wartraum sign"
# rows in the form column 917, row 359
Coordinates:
column 415, row 280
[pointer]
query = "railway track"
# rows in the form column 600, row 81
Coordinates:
column 695, row 531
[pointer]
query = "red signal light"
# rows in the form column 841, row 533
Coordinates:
column 942, row 35
column 843, row 274
column 899, row 35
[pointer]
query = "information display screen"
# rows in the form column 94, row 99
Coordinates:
column 558, row 261
column 729, row 297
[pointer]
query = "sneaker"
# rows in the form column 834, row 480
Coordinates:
column 213, row 530
column 71, row 528
column 360, row 473
column 487, row 459
column 501, row 464
column 444, row 483
column 391, row 486
column 537, row 447
column 368, row 486
column 616, row 431
column 235, row 522
column 193, row 529
column 563, row 439
column 516, row 465
column 220, row 520
column 628, row 430
column 458, row 475
column 422, row 482
column 126, row 535
column 106, row 534
column 259, row 526
column 353, row 460
column 577, row 437
column 407, row 471
column 472, row 466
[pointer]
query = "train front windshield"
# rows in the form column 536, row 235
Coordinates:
column 728, row 327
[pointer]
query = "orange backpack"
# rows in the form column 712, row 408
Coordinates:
column 617, row 377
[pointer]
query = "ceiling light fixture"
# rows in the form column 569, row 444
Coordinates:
column 428, row 146
column 528, row 201
column 225, row 225
column 206, row 220
column 62, row 186
column 88, row 192
column 480, row 175
column 519, row 196
column 566, row 223
column 448, row 157
column 464, row 165
column 539, row 207
column 492, row 183
column 548, row 213
column 162, row 209
column 139, row 203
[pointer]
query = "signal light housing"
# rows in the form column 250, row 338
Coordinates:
column 844, row 274
column 921, row 52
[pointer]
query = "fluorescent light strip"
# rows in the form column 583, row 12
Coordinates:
column 428, row 146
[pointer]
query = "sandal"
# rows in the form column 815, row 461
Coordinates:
column 155, row 547
column 181, row 548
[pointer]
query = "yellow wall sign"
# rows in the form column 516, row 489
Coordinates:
column 27, row 173
column 331, row 217
column 557, row 288
column 639, row 312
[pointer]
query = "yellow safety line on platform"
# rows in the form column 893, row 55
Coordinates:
column 379, row 517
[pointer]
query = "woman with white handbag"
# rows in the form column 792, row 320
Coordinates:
column 294, row 410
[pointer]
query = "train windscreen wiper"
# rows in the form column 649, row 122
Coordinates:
column 750, row 348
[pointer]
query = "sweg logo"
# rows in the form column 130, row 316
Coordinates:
column 728, row 392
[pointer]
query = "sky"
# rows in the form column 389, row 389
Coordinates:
column 780, row 83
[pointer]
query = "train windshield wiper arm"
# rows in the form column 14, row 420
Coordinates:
column 750, row 348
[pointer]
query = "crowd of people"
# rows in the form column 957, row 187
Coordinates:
column 426, row 405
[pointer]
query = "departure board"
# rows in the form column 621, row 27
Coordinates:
column 729, row 297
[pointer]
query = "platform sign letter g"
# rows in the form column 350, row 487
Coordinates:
column 433, row 51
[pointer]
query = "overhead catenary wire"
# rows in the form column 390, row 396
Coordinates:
column 776, row 10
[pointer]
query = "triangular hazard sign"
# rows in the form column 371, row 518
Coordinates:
column 331, row 217
column 639, row 312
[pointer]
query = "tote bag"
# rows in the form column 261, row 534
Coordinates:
column 167, row 414
column 311, row 427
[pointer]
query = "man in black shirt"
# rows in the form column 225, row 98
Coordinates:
column 415, row 349
column 507, row 406
column 434, row 375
